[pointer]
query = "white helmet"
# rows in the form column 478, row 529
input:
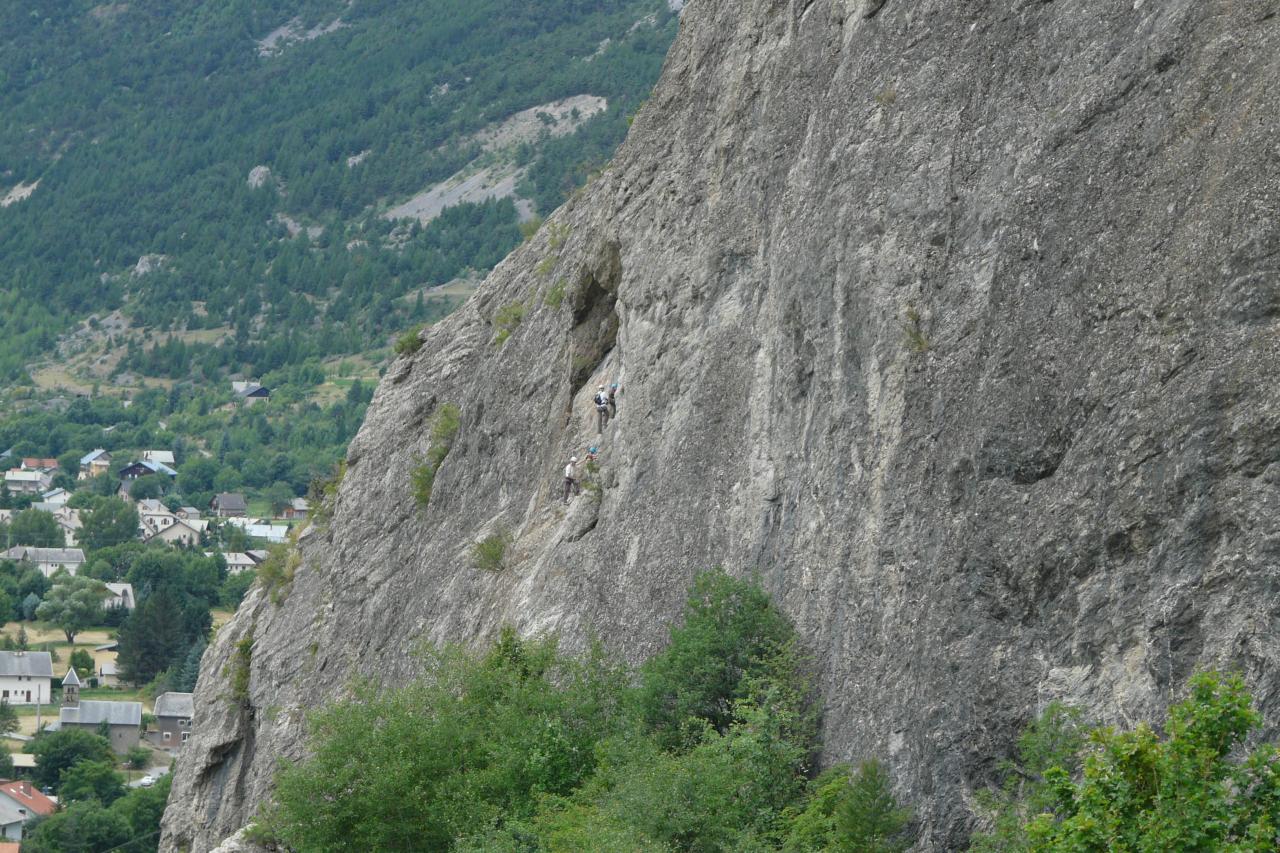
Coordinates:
column 573, row 459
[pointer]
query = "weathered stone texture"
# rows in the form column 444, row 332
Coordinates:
column 958, row 322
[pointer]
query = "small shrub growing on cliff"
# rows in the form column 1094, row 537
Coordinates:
column 490, row 553
column 323, row 494
column 410, row 342
column 912, row 332
column 275, row 573
column 546, row 265
column 555, row 294
column 238, row 669
column 530, row 227
column 507, row 320
column 444, row 429
column 557, row 233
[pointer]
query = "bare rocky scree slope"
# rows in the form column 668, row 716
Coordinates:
column 956, row 322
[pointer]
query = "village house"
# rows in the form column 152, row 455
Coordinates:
column 163, row 457
column 121, row 597
column 25, row 482
column 259, row 529
column 94, row 463
column 297, row 508
column 189, row 513
column 26, row 678
column 179, row 533
column 27, row 799
column 173, row 713
column 250, row 392
column 47, row 560
column 108, row 674
column 56, row 497
column 123, row 719
column 143, row 468
column 12, row 820
column 153, row 517
column 229, row 505
column 35, row 463
column 237, row 561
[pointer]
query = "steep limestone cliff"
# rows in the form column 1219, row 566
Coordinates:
column 959, row 323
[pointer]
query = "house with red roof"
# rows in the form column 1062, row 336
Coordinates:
column 27, row 797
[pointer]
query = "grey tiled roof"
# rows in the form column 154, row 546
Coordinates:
column 175, row 705
column 65, row 556
column 90, row 712
column 34, row 664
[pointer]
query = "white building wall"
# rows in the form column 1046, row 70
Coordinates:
column 16, row 688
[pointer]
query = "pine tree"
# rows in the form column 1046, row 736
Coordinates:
column 869, row 819
column 150, row 638
column 190, row 672
column 8, row 718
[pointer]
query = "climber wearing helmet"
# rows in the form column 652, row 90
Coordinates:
column 613, row 400
column 601, row 399
column 571, row 481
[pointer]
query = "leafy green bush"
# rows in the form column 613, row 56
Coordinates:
column 1195, row 788
column 476, row 741
column 411, row 341
column 489, row 554
column 1054, row 739
column 507, row 320
column 732, row 638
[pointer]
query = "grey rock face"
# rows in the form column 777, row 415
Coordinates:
column 956, row 322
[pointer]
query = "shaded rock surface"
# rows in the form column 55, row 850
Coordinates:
column 956, row 322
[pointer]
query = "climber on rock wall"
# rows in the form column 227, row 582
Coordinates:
column 601, row 399
column 570, row 478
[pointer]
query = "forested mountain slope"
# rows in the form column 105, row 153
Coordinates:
column 219, row 171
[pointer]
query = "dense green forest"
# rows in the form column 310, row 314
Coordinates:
column 142, row 122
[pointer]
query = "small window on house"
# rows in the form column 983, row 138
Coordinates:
column 168, row 735
column 185, row 735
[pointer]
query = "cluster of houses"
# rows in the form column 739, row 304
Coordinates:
column 33, row 477
column 185, row 526
column 26, row 678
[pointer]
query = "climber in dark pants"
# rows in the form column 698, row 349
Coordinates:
column 613, row 401
column 601, row 399
column 571, row 481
